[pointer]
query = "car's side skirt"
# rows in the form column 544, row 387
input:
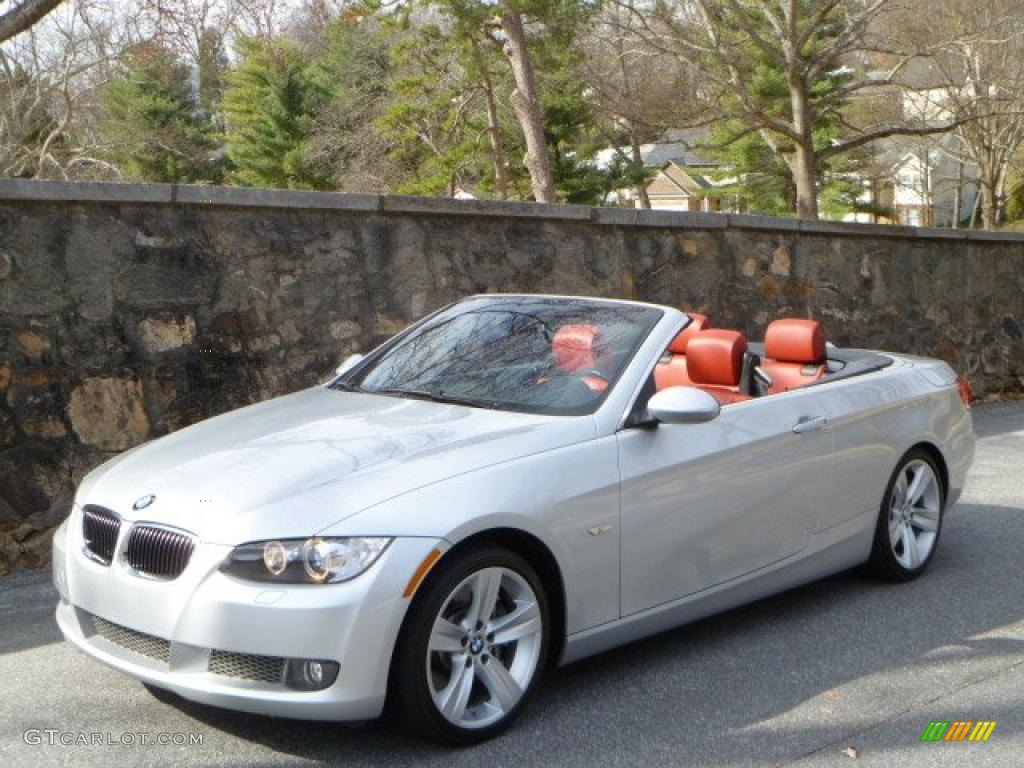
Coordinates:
column 837, row 549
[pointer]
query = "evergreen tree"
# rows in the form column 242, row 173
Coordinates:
column 352, row 63
column 452, row 116
column 760, row 174
column 270, row 106
column 437, row 117
column 571, row 128
column 155, row 126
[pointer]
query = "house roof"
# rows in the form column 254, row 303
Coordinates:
column 677, row 145
column 673, row 180
column 674, row 145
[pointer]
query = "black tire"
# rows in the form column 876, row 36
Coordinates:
column 883, row 562
column 410, row 702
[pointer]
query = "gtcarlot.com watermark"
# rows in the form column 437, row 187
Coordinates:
column 55, row 737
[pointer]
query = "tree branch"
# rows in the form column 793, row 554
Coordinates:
column 23, row 16
column 867, row 138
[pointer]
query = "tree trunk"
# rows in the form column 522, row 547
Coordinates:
column 526, row 102
column 988, row 208
column 989, row 200
column 493, row 126
column 641, row 189
column 958, row 194
column 976, row 207
column 1001, row 195
column 806, row 180
column 24, row 15
column 803, row 164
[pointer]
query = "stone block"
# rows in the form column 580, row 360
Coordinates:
column 108, row 413
column 159, row 335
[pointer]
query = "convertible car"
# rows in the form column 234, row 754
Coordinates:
column 511, row 482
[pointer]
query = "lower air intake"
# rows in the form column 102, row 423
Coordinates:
column 246, row 666
column 132, row 640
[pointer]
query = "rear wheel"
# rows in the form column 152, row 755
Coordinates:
column 472, row 648
column 910, row 519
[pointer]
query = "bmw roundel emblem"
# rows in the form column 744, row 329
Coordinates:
column 144, row 502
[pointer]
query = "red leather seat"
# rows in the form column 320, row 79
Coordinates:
column 714, row 361
column 672, row 372
column 794, row 353
column 578, row 349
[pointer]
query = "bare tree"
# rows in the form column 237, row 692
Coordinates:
column 22, row 15
column 50, row 79
column 181, row 25
column 260, row 18
column 184, row 26
column 635, row 89
column 981, row 68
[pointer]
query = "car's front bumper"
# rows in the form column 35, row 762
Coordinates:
column 167, row 632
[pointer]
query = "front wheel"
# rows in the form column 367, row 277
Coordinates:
column 910, row 519
column 472, row 648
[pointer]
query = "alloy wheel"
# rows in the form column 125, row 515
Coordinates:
column 915, row 509
column 484, row 647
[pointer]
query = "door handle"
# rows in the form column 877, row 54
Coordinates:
column 809, row 424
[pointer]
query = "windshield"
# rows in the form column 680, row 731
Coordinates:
column 535, row 355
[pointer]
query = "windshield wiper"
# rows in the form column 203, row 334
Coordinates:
column 436, row 397
column 345, row 386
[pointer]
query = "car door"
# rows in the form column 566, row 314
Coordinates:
column 705, row 503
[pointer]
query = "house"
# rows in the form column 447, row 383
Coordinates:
column 921, row 180
column 919, row 185
column 685, row 181
column 688, row 187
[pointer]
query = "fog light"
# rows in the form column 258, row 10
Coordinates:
column 310, row 674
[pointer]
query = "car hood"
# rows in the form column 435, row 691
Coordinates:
column 292, row 466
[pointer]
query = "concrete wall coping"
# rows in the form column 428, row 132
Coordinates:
column 183, row 194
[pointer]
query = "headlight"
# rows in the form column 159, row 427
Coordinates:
column 305, row 561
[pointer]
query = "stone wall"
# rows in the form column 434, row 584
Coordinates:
column 130, row 311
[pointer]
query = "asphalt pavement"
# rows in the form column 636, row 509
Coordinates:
column 808, row 678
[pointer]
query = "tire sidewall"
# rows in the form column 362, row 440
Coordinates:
column 409, row 694
column 883, row 560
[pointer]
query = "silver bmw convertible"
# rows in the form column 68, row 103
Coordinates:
column 510, row 483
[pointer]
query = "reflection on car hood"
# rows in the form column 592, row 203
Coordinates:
column 296, row 464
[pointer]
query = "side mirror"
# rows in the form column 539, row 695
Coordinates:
column 348, row 364
column 683, row 405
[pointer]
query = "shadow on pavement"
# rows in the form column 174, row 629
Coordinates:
column 31, row 597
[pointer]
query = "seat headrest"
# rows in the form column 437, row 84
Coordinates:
column 698, row 323
column 793, row 340
column 577, row 347
column 715, row 358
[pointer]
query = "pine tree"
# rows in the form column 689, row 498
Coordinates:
column 437, row 118
column 155, row 126
column 270, row 106
column 352, row 62
column 762, row 177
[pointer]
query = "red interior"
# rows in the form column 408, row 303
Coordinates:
column 711, row 359
column 580, row 348
column 714, row 360
column 671, row 371
column 794, row 353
